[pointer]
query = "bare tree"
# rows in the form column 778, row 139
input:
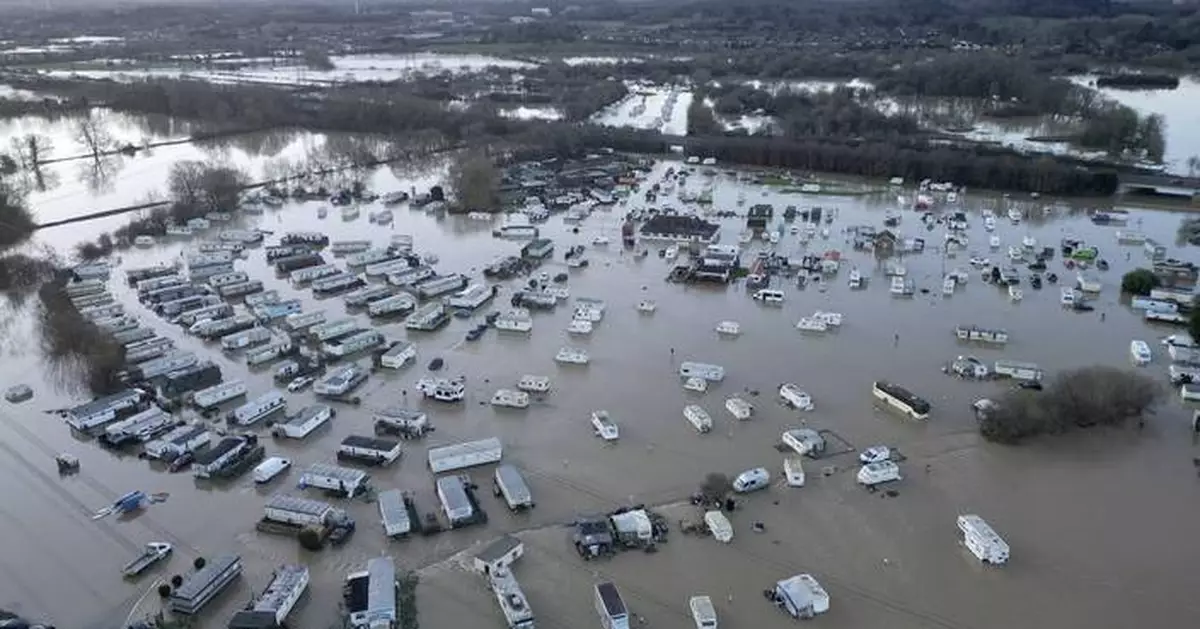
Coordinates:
column 92, row 132
column 205, row 187
column 475, row 181
column 31, row 150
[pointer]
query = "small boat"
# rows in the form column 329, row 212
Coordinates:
column 698, row 418
column 812, row 324
column 600, row 241
column 989, row 223
column 739, row 408
column 143, row 241
column 581, row 327
column 153, row 553
column 647, row 307
column 533, row 384
column 699, row 385
column 729, row 328
column 994, row 242
column 572, row 356
column 1015, row 293
column 604, row 426
column 794, row 397
column 350, row 212
column 1139, row 351
column 1014, row 216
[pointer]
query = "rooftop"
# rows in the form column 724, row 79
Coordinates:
column 498, row 549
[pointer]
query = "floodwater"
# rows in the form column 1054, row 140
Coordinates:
column 1101, row 524
column 656, row 108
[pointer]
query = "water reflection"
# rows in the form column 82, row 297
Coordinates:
column 99, row 173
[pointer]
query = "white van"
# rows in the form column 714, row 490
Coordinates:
column 266, row 471
column 703, row 612
column 769, row 296
column 752, row 480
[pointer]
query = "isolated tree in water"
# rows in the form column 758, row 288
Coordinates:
column 475, row 180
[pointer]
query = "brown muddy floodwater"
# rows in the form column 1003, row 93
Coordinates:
column 1101, row 525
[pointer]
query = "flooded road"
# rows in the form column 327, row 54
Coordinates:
column 1101, row 524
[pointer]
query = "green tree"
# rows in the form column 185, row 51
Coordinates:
column 1139, row 282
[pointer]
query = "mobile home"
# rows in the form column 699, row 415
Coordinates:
column 258, row 409
column 205, row 584
column 982, row 540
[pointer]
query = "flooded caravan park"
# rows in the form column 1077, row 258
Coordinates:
column 1099, row 523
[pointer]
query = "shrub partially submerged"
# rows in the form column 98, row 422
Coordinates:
column 1080, row 398
column 75, row 348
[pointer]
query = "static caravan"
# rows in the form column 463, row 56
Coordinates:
column 102, row 410
column 181, row 440
column 335, row 284
column 218, row 394
column 611, row 607
column 901, row 399
column 245, row 339
column 139, row 428
column 205, row 584
column 511, row 485
column 346, row 481
column 365, row 295
column 325, row 331
column 398, row 355
column 262, row 299
column 394, row 513
column 302, row 424
column 308, row 274
column 240, row 289
column 369, row 450
column 463, row 455
column 1018, row 371
column 225, row 279
column 1189, row 392
column 357, row 342
column 801, row 596
column 456, row 503
column 711, row 373
column 258, row 409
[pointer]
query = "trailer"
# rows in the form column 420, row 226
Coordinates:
column 464, row 455
column 218, row 394
column 303, row 276
column 174, row 307
column 279, row 252
column 510, row 484
column 198, row 376
column 441, row 285
column 396, row 305
column 156, row 367
column 298, row 261
column 240, row 289
column 611, row 607
column 340, row 381
column 394, row 513
column 303, row 424
column 278, row 310
column 371, row 256
column 262, row 299
column 199, row 274
column 300, row 512
column 365, row 295
column 381, row 269
column 398, row 355
column 982, row 540
column 369, row 450
column 223, row 327
column 258, row 409
column 139, row 428
column 402, row 422
column 179, row 441
column 333, row 329
column 205, row 313
column 147, row 350
column 245, row 339
column 338, row 283
column 457, row 505
column 350, row 344
column 344, row 481
column 79, row 288
column 225, row 279
column 269, row 352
